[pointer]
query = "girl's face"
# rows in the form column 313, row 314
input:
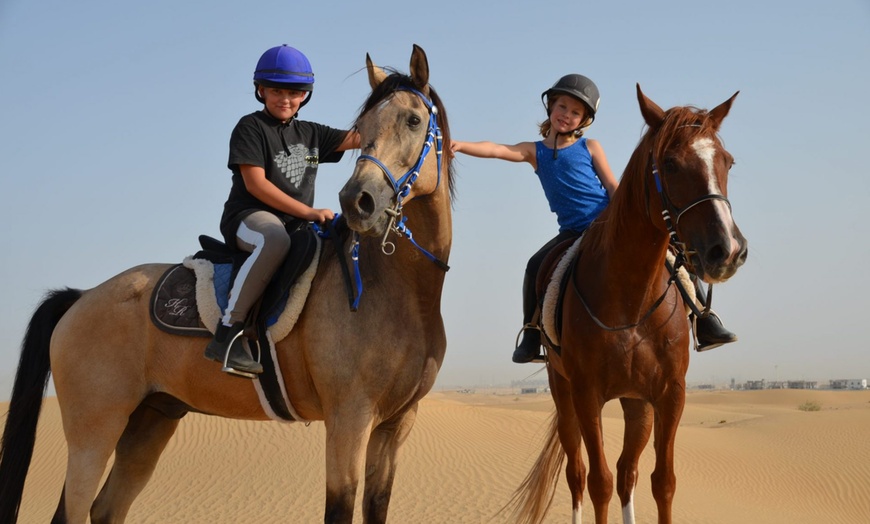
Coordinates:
column 567, row 114
column 282, row 103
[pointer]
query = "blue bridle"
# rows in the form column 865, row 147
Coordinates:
column 402, row 188
column 402, row 185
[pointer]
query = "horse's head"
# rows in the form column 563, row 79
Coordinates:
column 401, row 127
column 690, row 166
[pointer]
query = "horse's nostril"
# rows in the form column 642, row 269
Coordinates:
column 365, row 203
column 715, row 255
column 744, row 253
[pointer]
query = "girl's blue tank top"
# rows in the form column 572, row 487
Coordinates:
column 571, row 185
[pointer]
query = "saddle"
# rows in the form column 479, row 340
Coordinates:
column 190, row 297
column 177, row 301
column 550, row 284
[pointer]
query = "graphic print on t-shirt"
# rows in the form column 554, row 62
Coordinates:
column 294, row 165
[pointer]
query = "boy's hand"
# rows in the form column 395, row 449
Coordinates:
column 321, row 215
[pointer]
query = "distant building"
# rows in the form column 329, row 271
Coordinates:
column 754, row 384
column 802, row 384
column 849, row 383
column 525, row 391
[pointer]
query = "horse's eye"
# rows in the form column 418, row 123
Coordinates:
column 413, row 121
column 669, row 164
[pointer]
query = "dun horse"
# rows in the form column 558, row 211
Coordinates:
column 624, row 330
column 123, row 385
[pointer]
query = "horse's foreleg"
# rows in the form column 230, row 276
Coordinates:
column 347, row 435
column 600, row 480
column 638, row 416
column 664, row 482
column 136, row 455
column 381, row 460
column 569, row 436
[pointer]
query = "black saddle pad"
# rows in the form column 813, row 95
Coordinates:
column 173, row 303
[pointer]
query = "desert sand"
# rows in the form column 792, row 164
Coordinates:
column 741, row 457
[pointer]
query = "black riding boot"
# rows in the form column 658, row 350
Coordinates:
column 710, row 331
column 227, row 348
column 529, row 349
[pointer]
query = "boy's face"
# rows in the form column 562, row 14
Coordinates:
column 282, row 103
column 567, row 114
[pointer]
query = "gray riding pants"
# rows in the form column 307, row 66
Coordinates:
column 263, row 235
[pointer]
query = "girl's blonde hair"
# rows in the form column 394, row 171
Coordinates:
column 544, row 127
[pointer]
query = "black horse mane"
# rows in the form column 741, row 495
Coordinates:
column 397, row 81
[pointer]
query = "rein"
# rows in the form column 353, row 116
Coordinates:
column 402, row 185
column 679, row 246
column 681, row 252
column 645, row 316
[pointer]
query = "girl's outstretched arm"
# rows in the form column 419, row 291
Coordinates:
column 522, row 152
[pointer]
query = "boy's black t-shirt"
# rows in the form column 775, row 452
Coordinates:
column 289, row 153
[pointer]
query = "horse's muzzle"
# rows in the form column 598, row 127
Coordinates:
column 364, row 201
column 718, row 259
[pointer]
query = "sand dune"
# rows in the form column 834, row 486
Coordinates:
column 742, row 457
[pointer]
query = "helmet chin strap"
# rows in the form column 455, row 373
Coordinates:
column 556, row 136
column 556, row 140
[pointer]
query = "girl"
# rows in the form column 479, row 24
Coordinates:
column 578, row 184
column 273, row 158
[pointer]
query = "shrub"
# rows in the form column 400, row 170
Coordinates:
column 810, row 405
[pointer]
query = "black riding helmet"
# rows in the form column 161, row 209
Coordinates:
column 578, row 86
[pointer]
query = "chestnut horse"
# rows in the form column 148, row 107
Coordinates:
column 122, row 384
column 624, row 329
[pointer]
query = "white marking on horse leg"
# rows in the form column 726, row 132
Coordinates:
column 577, row 514
column 628, row 510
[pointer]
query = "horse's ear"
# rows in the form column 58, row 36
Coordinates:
column 376, row 74
column 652, row 113
column 718, row 113
column 420, row 69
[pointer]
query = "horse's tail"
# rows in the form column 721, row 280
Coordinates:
column 34, row 369
column 532, row 499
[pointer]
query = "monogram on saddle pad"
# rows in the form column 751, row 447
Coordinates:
column 191, row 297
column 552, row 281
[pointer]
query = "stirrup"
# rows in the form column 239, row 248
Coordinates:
column 539, row 356
column 712, row 345
column 224, row 359
column 240, row 372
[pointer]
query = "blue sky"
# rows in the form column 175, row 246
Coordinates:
column 115, row 118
